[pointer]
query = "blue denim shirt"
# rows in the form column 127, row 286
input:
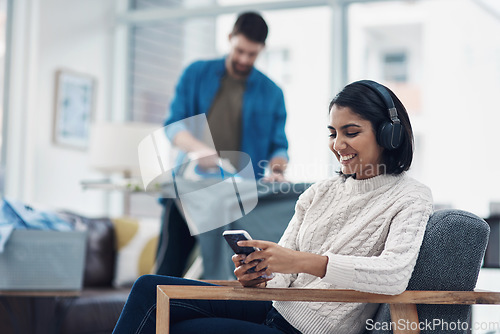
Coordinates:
column 263, row 111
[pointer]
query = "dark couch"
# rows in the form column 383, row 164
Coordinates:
column 94, row 311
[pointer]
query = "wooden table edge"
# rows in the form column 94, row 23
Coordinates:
column 329, row 295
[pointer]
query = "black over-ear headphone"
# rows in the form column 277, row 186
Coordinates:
column 390, row 134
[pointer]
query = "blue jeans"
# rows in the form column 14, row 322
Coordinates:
column 197, row 316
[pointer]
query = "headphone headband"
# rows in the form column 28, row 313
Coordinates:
column 381, row 92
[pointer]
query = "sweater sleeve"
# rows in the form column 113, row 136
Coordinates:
column 390, row 272
column 289, row 238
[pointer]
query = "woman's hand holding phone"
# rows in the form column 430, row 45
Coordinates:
column 278, row 259
column 257, row 260
column 245, row 271
column 272, row 256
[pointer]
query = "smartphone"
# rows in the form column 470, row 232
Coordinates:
column 233, row 236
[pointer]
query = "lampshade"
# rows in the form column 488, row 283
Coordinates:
column 113, row 146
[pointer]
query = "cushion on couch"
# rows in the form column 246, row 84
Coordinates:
column 137, row 242
column 100, row 258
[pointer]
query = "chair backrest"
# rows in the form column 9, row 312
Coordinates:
column 450, row 258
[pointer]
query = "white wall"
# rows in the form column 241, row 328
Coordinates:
column 462, row 113
column 51, row 35
column 308, row 88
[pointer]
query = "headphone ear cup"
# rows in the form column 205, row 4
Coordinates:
column 397, row 135
column 390, row 135
column 383, row 133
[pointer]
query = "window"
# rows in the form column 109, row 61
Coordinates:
column 395, row 67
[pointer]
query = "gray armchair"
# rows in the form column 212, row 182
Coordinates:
column 449, row 260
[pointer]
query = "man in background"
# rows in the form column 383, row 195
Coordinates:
column 245, row 112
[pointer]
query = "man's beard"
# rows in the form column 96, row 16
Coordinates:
column 239, row 72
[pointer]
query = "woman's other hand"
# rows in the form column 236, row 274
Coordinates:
column 248, row 279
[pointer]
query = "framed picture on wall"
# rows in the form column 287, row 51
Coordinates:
column 74, row 108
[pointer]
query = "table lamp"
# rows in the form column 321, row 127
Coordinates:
column 113, row 146
column 113, row 149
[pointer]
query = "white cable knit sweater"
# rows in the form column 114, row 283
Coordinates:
column 371, row 230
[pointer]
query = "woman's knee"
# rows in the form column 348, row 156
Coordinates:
column 147, row 282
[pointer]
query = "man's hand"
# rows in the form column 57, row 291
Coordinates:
column 207, row 158
column 274, row 177
column 277, row 168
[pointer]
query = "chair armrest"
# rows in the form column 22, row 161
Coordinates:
column 403, row 306
column 223, row 282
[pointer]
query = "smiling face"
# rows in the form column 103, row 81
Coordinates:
column 353, row 141
column 242, row 55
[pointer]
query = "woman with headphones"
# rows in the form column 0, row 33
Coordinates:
column 360, row 230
